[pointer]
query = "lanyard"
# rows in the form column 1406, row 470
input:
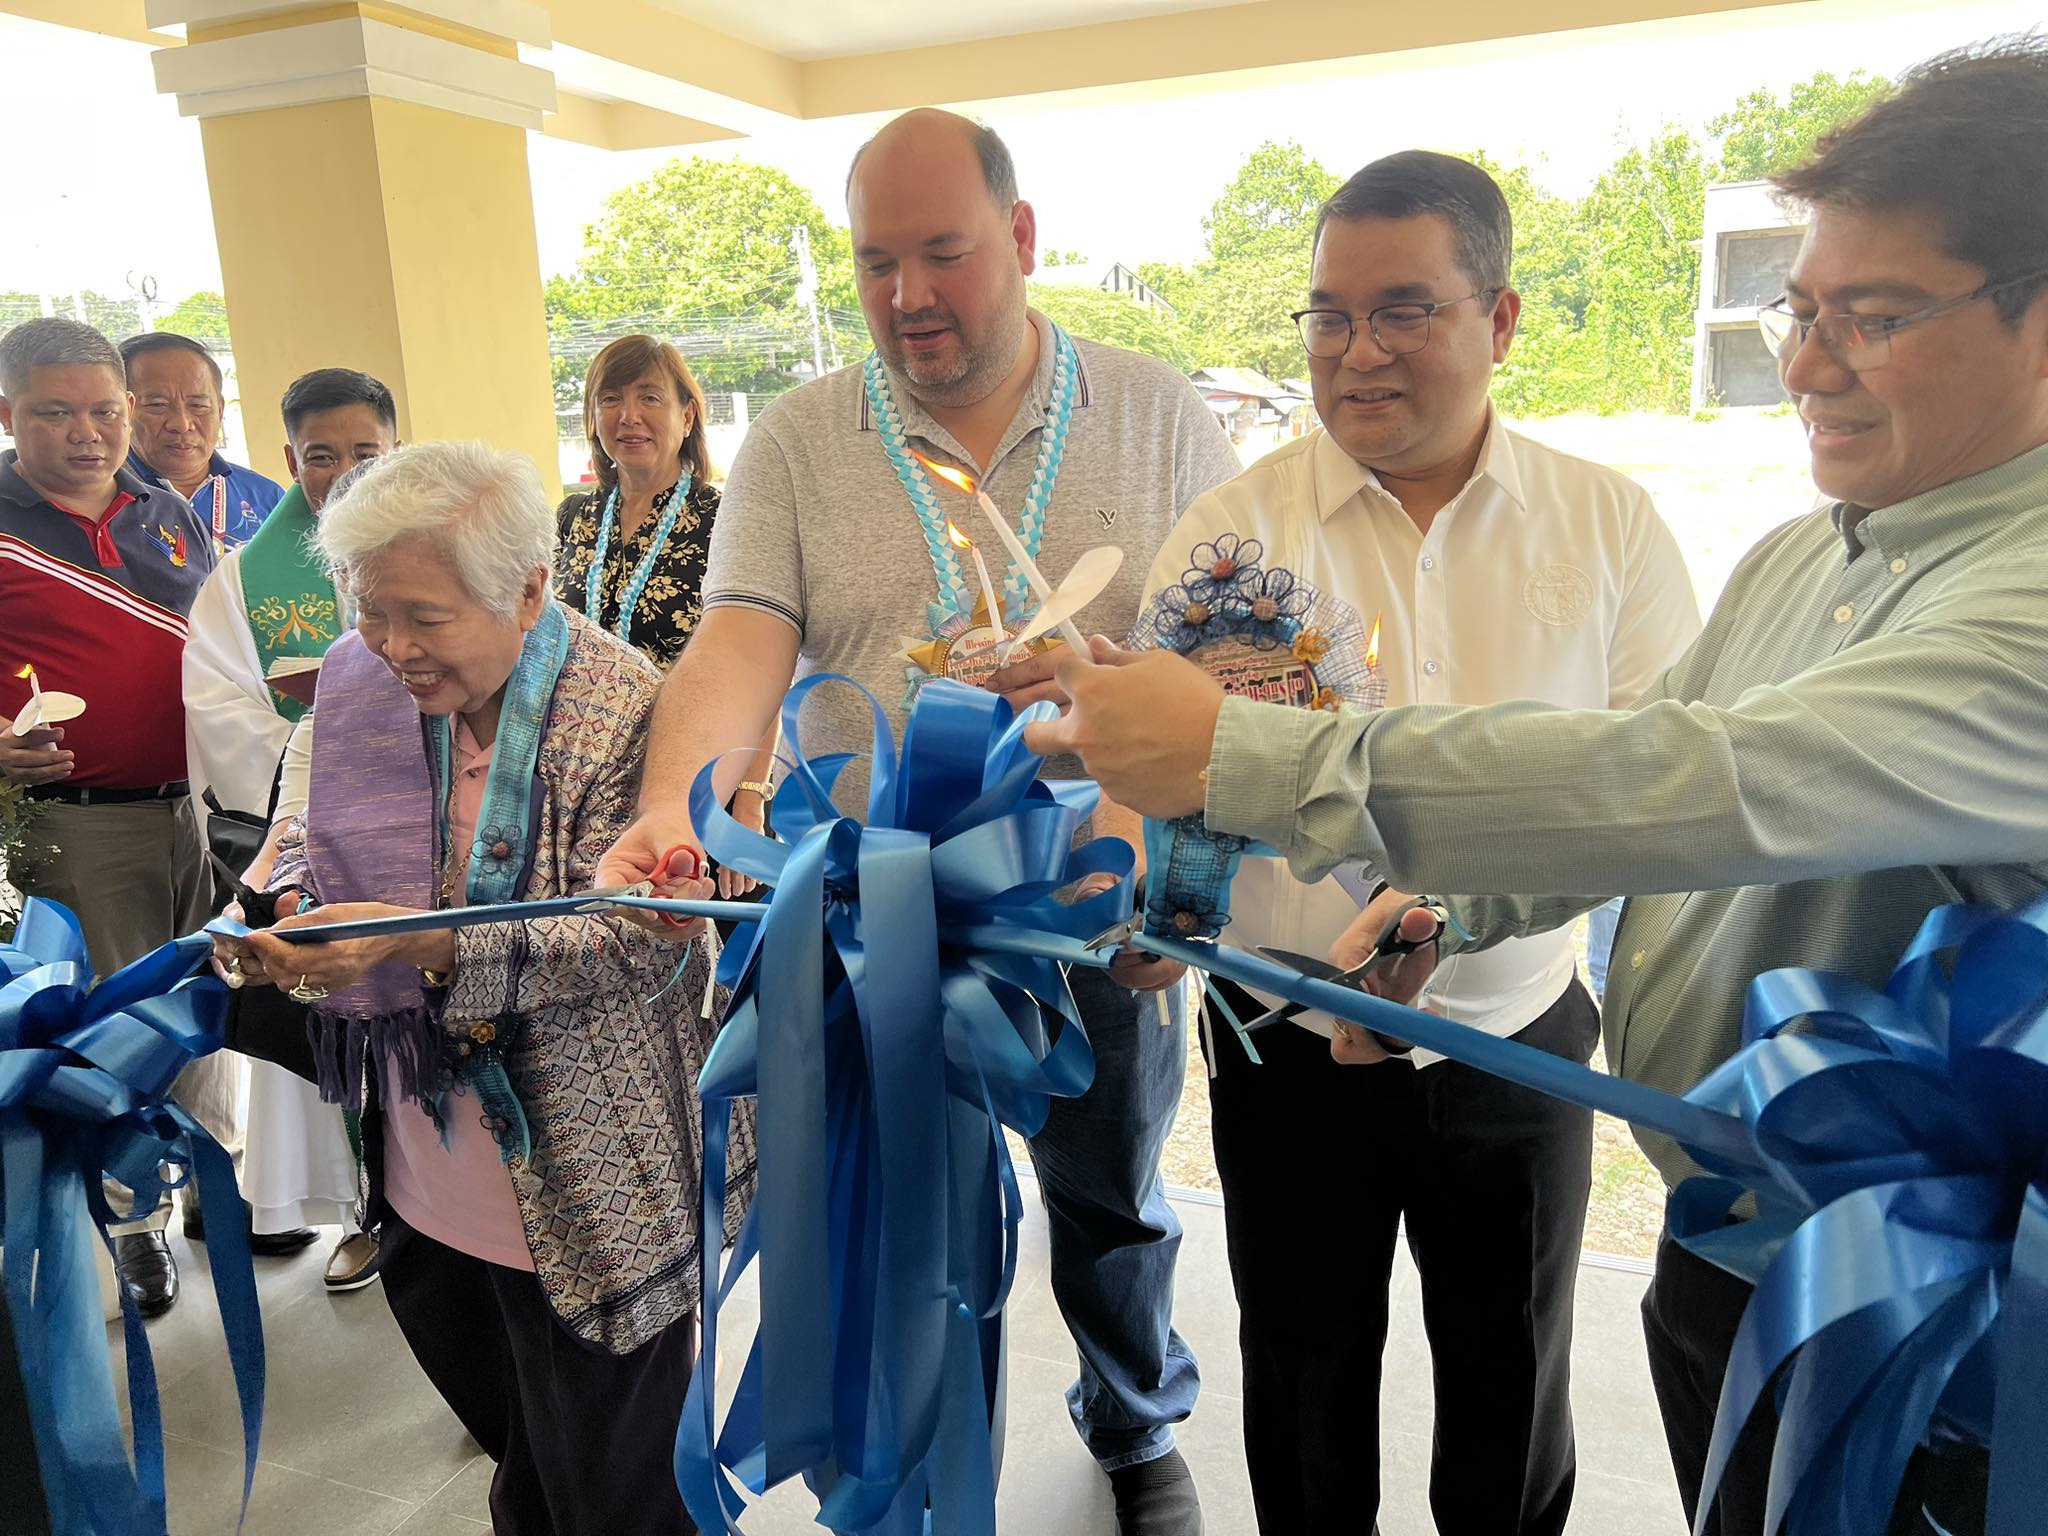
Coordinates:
column 593, row 582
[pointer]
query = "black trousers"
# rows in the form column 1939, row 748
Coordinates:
column 1690, row 1314
column 584, row 1439
column 1320, row 1164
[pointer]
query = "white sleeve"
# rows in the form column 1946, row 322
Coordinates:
column 1659, row 617
column 233, row 733
column 294, row 786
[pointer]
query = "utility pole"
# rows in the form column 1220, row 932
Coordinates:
column 144, row 289
column 807, row 293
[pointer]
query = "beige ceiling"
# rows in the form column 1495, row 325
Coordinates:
column 633, row 74
column 822, row 29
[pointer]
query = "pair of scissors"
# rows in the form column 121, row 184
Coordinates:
column 259, row 908
column 1390, row 946
column 667, row 870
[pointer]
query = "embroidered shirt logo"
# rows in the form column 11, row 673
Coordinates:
column 171, row 541
column 1558, row 594
column 307, row 618
column 1106, row 516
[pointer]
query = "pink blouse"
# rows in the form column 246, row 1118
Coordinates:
column 459, row 1194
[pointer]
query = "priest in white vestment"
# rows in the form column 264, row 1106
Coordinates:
column 269, row 608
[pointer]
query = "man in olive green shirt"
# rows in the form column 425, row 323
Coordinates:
column 1860, row 734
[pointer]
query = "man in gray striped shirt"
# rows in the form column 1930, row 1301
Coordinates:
column 1858, row 737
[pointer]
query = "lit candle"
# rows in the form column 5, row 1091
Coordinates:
column 988, row 590
column 1033, row 576
column 35, row 689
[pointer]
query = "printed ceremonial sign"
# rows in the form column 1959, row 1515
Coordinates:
column 1268, row 677
column 969, row 649
column 1265, row 635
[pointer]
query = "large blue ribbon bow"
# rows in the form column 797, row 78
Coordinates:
column 887, row 1057
column 85, row 1073
column 1900, row 1246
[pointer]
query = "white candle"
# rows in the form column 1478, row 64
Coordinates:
column 988, row 591
column 1033, row 576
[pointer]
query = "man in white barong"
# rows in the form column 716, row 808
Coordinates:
column 270, row 607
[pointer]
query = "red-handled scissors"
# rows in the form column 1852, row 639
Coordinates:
column 668, row 869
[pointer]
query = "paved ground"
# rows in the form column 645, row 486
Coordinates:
column 356, row 1441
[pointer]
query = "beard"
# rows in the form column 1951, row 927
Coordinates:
column 971, row 370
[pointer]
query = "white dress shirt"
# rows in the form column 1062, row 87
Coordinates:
column 1545, row 578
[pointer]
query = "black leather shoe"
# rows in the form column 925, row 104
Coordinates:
column 147, row 1272
column 271, row 1245
column 1156, row 1498
column 265, row 1245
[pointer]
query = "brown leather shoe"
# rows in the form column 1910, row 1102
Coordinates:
column 147, row 1271
column 355, row 1263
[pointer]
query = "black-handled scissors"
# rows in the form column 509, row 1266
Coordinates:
column 1390, row 946
column 259, row 908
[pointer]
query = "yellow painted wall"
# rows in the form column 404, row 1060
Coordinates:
column 390, row 237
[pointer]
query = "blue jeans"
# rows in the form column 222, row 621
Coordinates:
column 1600, row 925
column 1113, row 1237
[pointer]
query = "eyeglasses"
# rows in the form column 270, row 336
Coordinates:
column 1398, row 328
column 1860, row 342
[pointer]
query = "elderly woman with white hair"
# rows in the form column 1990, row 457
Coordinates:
column 532, row 1131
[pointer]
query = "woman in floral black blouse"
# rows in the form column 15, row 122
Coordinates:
column 629, row 554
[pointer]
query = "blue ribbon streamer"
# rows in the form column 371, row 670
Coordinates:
column 1894, row 1141
column 887, row 1058
column 85, row 1073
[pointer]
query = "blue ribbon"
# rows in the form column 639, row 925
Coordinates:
column 1900, row 1250
column 887, row 1058
column 1896, row 1145
column 85, row 1073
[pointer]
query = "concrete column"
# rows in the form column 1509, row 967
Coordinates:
column 367, row 166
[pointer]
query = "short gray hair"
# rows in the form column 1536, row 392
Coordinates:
column 479, row 509
column 53, row 343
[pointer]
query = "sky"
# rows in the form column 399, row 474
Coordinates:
column 1128, row 181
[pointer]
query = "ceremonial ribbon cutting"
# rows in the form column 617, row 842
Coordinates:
column 915, row 960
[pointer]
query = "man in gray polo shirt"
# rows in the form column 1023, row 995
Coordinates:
column 831, row 555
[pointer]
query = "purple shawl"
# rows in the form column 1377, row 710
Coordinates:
column 371, row 836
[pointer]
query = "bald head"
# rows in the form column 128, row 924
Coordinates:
column 941, row 248
column 931, row 128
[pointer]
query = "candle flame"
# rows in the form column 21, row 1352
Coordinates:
column 959, row 479
column 1372, row 646
column 960, row 540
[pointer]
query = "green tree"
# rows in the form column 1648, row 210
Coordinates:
column 1115, row 319
column 1063, row 259
column 1761, row 135
column 702, row 251
column 1260, row 232
column 1642, row 221
column 203, row 316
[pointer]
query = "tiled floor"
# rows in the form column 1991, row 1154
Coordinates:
column 356, row 1441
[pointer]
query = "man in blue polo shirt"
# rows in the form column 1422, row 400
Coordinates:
column 98, row 569
column 178, row 403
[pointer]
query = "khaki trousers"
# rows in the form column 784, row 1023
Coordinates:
column 136, row 876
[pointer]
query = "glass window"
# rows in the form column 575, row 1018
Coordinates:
column 1752, row 267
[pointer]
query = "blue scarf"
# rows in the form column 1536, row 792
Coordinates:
column 377, row 830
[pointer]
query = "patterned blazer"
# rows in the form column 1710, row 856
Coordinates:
column 605, row 1053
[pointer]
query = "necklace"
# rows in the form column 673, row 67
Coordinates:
column 956, row 590
column 593, row 582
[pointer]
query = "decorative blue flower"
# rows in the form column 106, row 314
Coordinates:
column 1188, row 619
column 1275, row 602
column 1221, row 567
column 1164, row 916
